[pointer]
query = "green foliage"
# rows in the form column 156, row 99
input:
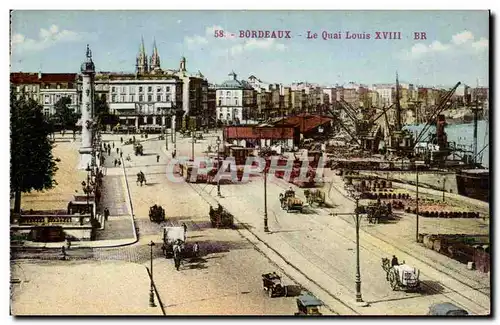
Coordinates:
column 102, row 114
column 32, row 166
column 64, row 116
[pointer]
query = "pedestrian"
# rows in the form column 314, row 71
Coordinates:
column 63, row 253
column 113, row 144
column 116, row 162
column 121, row 140
column 117, row 150
column 196, row 249
column 121, row 154
column 119, row 163
column 157, row 158
column 109, row 152
column 69, row 243
column 185, row 228
column 106, row 214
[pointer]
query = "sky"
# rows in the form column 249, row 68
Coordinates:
column 456, row 47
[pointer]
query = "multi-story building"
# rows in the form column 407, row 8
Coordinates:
column 374, row 98
column 298, row 99
column 287, row 100
column 386, row 94
column 212, row 104
column 233, row 97
column 47, row 89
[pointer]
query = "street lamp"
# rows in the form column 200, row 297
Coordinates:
column 266, row 228
column 86, row 186
column 218, row 166
column 151, row 292
column 359, row 298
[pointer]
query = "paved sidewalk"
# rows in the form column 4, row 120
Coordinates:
column 81, row 288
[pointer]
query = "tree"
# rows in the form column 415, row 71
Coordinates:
column 64, row 116
column 32, row 166
column 102, row 114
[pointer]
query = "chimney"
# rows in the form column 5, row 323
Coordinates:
column 39, row 75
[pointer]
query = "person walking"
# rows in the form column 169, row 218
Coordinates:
column 113, row 144
column 157, row 158
column 106, row 214
column 196, row 249
column 117, row 150
column 116, row 162
column 121, row 154
column 121, row 140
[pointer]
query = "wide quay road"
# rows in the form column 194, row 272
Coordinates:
column 321, row 249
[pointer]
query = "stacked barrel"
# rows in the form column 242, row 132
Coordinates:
column 431, row 209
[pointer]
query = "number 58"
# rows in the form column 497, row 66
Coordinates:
column 219, row 33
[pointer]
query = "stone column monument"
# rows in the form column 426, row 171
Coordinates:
column 87, row 109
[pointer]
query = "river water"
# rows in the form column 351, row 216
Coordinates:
column 462, row 134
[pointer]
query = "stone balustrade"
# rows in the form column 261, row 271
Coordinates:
column 46, row 220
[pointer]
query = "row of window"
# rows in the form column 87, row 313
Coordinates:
column 227, row 101
column 141, row 98
column 123, row 89
column 228, row 93
column 48, row 99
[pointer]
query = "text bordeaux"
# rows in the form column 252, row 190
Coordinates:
column 265, row 34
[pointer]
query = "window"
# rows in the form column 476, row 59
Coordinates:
column 58, row 86
column 58, row 97
column 158, row 98
column 140, row 89
column 113, row 89
column 236, row 102
column 132, row 89
column 150, row 89
column 228, row 116
column 124, row 89
column 150, row 98
column 46, row 99
column 123, row 98
column 141, row 97
column 158, row 89
column 168, row 89
column 228, row 93
column 113, row 98
column 167, row 98
column 220, row 102
column 18, row 89
column 221, row 116
column 35, row 97
column 130, row 98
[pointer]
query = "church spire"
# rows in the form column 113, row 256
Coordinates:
column 155, row 59
column 142, row 59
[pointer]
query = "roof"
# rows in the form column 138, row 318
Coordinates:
column 476, row 171
column 250, row 132
column 305, row 122
column 309, row 300
column 21, row 77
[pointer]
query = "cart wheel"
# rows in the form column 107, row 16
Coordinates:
column 393, row 280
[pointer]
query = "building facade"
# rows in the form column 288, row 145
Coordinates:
column 47, row 89
column 234, row 98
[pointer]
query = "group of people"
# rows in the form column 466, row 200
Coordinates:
column 141, row 178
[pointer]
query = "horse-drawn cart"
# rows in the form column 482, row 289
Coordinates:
column 401, row 276
column 315, row 196
column 272, row 284
column 138, row 149
column 220, row 218
column 378, row 212
column 290, row 202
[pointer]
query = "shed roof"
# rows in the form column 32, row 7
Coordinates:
column 306, row 122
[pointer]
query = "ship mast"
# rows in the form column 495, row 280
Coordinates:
column 475, row 110
column 398, row 106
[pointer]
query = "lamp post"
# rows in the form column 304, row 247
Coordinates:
column 266, row 228
column 218, row 166
column 192, row 145
column 87, row 186
column 151, row 292
column 359, row 298
column 416, row 208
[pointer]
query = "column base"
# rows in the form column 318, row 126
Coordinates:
column 362, row 304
